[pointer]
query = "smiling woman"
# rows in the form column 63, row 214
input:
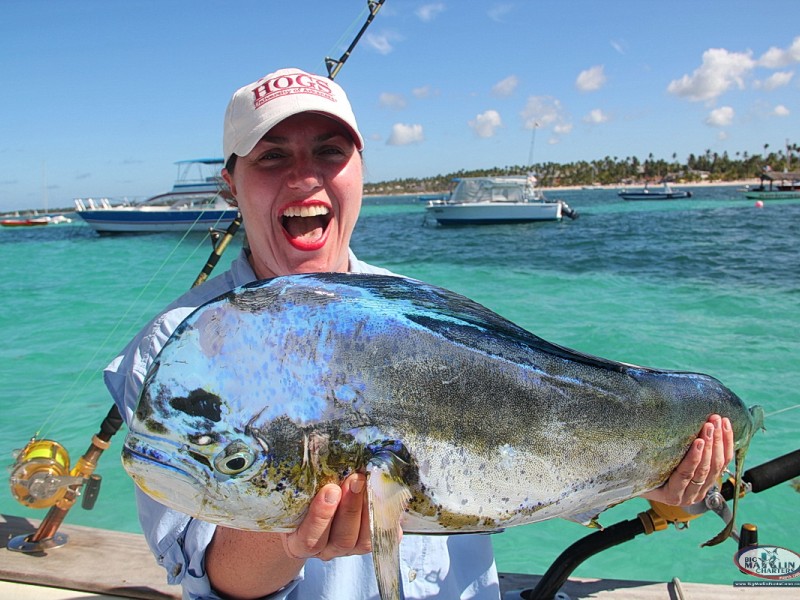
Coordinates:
column 292, row 149
column 292, row 152
column 299, row 189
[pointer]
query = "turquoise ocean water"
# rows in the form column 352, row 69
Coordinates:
column 709, row 284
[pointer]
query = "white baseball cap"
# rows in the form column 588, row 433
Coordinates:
column 256, row 108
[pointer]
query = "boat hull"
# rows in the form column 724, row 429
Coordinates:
column 142, row 221
column 654, row 195
column 24, row 222
column 487, row 213
column 773, row 195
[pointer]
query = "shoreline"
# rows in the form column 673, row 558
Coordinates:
column 30, row 212
column 617, row 186
column 699, row 184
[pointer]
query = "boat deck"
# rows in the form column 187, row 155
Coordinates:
column 101, row 564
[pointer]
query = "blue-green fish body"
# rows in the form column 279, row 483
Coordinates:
column 463, row 421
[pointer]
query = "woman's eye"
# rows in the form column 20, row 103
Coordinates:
column 271, row 155
column 332, row 150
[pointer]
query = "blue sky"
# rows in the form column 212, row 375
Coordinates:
column 101, row 98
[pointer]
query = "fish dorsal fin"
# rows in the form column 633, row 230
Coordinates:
column 388, row 498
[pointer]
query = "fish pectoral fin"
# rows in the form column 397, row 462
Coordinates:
column 737, row 485
column 388, row 498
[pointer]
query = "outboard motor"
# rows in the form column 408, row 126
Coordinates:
column 566, row 211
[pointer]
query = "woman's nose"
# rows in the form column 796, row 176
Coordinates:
column 305, row 175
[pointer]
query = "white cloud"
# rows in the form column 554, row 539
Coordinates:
column 596, row 117
column 618, row 45
column 720, row 117
column 486, row 123
column 382, row 42
column 719, row 72
column 545, row 111
column 422, row 92
column 591, row 80
column 780, row 111
column 562, row 128
column 776, row 80
column 394, row 101
column 428, row 12
column 775, row 58
column 403, row 135
column 506, row 86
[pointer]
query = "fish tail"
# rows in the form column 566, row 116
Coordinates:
column 757, row 414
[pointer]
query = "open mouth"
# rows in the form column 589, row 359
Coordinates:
column 306, row 226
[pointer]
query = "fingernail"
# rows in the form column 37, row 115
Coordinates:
column 709, row 431
column 356, row 485
column 332, row 494
column 726, row 424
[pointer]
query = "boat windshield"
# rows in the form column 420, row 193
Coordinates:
column 490, row 189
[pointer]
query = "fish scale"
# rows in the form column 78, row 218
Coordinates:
column 462, row 420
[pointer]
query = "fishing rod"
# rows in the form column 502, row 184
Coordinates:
column 659, row 516
column 41, row 476
column 334, row 66
column 220, row 243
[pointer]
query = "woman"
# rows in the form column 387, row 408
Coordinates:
column 293, row 163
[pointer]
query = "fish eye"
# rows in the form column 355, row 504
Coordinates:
column 236, row 458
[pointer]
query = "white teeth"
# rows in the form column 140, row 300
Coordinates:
column 306, row 211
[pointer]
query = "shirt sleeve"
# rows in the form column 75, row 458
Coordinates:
column 178, row 541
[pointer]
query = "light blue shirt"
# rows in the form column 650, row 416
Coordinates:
column 448, row 567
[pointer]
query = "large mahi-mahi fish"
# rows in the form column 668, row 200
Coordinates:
column 463, row 421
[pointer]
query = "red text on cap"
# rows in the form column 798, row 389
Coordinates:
column 294, row 83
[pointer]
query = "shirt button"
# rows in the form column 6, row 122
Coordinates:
column 412, row 575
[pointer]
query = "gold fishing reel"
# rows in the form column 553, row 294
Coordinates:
column 41, row 475
column 660, row 515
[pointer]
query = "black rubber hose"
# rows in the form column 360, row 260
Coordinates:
column 572, row 557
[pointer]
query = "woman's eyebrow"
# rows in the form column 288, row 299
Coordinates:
column 323, row 137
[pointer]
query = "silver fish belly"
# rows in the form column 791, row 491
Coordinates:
column 463, row 421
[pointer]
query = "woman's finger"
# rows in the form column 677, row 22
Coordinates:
column 311, row 537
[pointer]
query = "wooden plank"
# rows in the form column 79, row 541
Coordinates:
column 120, row 564
column 93, row 560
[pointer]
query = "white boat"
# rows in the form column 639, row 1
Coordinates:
column 488, row 200
column 198, row 201
column 776, row 186
column 664, row 193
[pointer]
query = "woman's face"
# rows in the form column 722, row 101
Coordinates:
column 299, row 191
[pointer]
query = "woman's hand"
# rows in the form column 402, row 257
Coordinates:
column 702, row 466
column 337, row 523
column 253, row 564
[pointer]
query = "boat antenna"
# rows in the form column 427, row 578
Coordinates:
column 533, row 143
column 220, row 241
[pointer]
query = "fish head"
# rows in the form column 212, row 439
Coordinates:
column 187, row 451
